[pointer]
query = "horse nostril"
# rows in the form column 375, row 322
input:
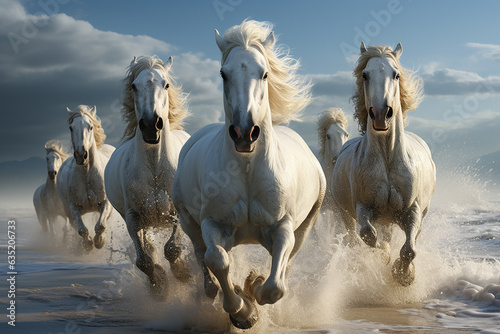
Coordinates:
column 85, row 155
column 55, row 173
column 142, row 125
column 371, row 113
column 254, row 133
column 232, row 132
column 389, row 113
column 159, row 123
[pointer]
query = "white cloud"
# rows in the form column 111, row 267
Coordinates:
column 447, row 81
column 486, row 51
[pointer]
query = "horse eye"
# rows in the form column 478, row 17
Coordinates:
column 70, row 129
column 265, row 76
column 396, row 76
column 134, row 87
column 91, row 128
column 328, row 137
column 167, row 85
column 365, row 76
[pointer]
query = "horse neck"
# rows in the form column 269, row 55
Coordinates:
column 392, row 144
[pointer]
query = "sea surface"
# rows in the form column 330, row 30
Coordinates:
column 332, row 288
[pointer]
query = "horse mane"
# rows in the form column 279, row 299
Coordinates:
column 81, row 110
column 326, row 118
column 288, row 94
column 55, row 146
column 410, row 85
column 176, row 97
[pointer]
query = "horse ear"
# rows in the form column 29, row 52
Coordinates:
column 221, row 42
column 398, row 51
column 169, row 63
column 362, row 48
column 134, row 60
column 94, row 110
column 269, row 42
column 68, row 110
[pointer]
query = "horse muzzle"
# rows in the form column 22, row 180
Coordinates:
column 381, row 119
column 244, row 139
column 150, row 129
column 81, row 158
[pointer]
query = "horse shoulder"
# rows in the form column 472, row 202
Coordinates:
column 207, row 132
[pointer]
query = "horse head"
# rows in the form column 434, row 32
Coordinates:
column 54, row 162
column 151, row 101
column 82, row 135
column 336, row 136
column 381, row 88
column 244, row 73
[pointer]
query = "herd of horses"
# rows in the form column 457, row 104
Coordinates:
column 248, row 180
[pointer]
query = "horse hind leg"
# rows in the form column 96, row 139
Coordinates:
column 403, row 269
column 173, row 252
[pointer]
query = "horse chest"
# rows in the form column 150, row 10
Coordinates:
column 388, row 189
column 148, row 194
column 240, row 205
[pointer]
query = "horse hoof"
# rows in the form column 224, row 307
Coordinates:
column 248, row 321
column 398, row 273
column 180, row 271
column 98, row 241
column 88, row 245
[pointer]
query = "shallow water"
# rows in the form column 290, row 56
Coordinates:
column 332, row 288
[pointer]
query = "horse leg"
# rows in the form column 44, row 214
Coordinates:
column 403, row 270
column 281, row 245
column 239, row 306
column 367, row 233
column 172, row 252
column 146, row 256
column 81, row 228
column 193, row 231
column 105, row 210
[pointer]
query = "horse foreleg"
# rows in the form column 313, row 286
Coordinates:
column 81, row 228
column 365, row 217
column 403, row 270
column 146, row 256
column 282, row 244
column 242, row 312
column 105, row 210
column 173, row 252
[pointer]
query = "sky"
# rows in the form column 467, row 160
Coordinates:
column 62, row 53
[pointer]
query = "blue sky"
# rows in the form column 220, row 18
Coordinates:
column 79, row 55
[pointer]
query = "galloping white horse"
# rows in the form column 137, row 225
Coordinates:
column 48, row 205
column 332, row 134
column 249, row 181
column 387, row 175
column 140, row 174
column 80, row 182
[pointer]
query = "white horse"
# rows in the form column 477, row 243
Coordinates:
column 140, row 173
column 48, row 205
column 249, row 181
column 387, row 175
column 80, row 182
column 332, row 134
